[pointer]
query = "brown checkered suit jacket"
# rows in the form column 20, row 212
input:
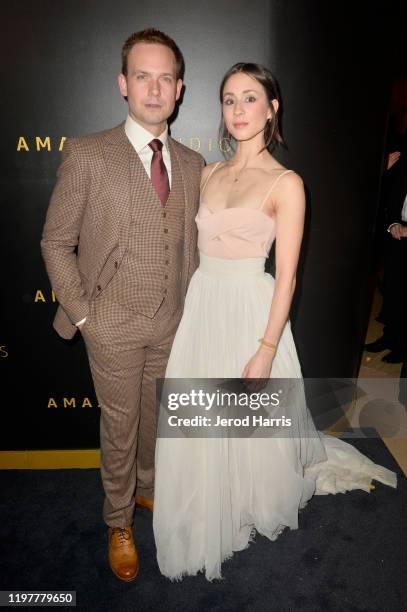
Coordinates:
column 85, row 233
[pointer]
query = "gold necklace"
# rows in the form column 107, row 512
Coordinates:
column 235, row 180
column 236, row 174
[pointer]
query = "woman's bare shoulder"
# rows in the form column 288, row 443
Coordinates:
column 286, row 178
column 208, row 169
column 285, row 186
column 289, row 194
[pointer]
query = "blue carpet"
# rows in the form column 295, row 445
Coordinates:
column 349, row 552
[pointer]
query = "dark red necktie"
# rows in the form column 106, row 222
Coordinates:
column 159, row 176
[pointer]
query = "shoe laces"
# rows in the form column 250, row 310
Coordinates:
column 123, row 534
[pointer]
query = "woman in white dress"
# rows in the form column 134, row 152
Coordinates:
column 213, row 493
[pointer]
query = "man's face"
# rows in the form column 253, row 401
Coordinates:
column 151, row 86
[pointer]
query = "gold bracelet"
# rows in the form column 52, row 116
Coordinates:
column 269, row 345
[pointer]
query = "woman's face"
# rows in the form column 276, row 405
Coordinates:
column 245, row 106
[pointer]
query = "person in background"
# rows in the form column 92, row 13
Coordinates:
column 394, row 310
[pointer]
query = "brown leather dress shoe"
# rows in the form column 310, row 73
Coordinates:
column 123, row 558
column 144, row 502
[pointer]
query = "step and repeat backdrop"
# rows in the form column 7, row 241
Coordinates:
column 59, row 64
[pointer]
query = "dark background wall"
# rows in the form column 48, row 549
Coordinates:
column 336, row 62
column 59, row 62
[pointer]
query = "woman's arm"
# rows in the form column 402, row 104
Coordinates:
column 289, row 200
column 290, row 212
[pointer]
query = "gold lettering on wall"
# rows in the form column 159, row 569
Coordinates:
column 192, row 145
column 46, row 143
column 22, row 144
column 40, row 297
column 41, row 143
column 3, row 351
column 196, row 144
column 70, row 402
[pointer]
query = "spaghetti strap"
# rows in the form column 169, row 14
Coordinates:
column 209, row 176
column 272, row 187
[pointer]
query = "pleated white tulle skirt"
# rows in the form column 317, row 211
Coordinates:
column 213, row 494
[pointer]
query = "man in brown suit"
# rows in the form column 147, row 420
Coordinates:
column 119, row 243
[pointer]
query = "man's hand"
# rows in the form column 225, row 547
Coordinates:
column 397, row 231
column 393, row 157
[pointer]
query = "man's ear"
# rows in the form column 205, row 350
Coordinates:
column 179, row 88
column 122, row 82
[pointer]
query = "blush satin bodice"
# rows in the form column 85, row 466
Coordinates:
column 235, row 232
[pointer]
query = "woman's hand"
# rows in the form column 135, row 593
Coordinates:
column 258, row 367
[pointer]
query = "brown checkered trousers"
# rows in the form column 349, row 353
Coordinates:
column 114, row 254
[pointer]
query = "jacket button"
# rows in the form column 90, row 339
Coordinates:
column 99, row 288
column 165, row 231
column 116, row 265
column 164, row 214
column 167, row 261
column 166, row 247
column 166, row 276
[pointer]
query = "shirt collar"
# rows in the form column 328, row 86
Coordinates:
column 139, row 136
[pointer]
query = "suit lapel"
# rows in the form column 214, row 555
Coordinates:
column 118, row 176
column 189, row 209
column 190, row 178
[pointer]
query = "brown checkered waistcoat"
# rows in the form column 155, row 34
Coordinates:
column 104, row 218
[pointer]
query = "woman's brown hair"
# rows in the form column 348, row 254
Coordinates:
column 272, row 130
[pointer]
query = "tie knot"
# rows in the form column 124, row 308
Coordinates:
column 155, row 145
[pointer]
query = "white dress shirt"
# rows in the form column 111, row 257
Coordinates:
column 404, row 210
column 139, row 137
column 403, row 214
